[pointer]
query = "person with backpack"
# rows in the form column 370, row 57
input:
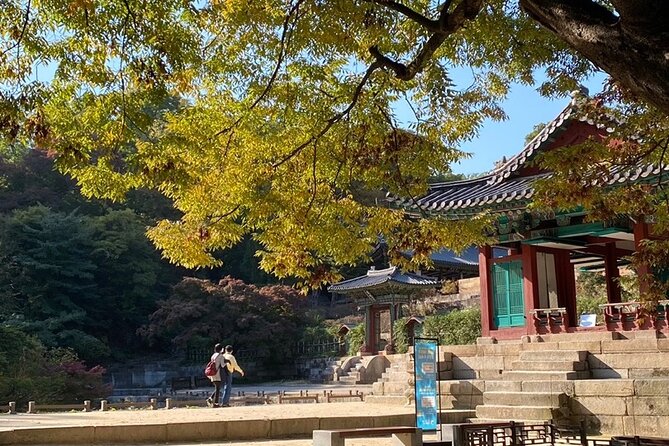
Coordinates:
column 227, row 378
column 217, row 364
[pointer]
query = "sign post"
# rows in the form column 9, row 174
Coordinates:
column 426, row 367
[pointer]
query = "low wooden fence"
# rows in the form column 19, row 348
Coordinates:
column 521, row 434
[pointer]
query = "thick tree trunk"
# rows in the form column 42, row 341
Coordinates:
column 630, row 44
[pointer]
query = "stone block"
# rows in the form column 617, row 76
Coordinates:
column 485, row 341
column 632, row 346
column 649, row 373
column 445, row 366
column 395, row 420
column 396, row 400
column 502, row 386
column 652, row 426
column 462, row 387
column 629, row 360
column 377, row 388
column 645, row 334
column 547, row 365
column 663, row 344
column 598, row 405
column 651, row 387
column 133, row 434
column 609, row 373
column 540, row 399
column 538, row 346
column 517, row 413
column 293, row 427
column 346, row 422
column 589, row 346
column 56, row 435
column 460, row 350
column 490, row 374
column 600, row 387
column 197, row 431
column 605, row 424
column 461, row 402
column 563, row 386
column 465, row 374
column 326, row 438
column 553, row 355
column 648, row 405
column 456, row 416
column 478, row 363
column 248, row 429
column 499, row 349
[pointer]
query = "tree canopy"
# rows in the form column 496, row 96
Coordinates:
column 276, row 118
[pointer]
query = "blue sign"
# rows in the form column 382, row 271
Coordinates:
column 427, row 402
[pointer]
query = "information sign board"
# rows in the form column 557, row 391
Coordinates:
column 426, row 367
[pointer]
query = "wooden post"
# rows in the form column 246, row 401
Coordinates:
column 485, row 255
column 530, row 285
column 103, row 405
column 641, row 233
column 87, row 405
column 612, row 275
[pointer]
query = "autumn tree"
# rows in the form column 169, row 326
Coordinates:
column 276, row 119
column 199, row 313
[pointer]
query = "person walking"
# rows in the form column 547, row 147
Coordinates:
column 231, row 367
column 221, row 372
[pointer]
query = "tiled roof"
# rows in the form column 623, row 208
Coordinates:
column 500, row 188
column 468, row 257
column 391, row 276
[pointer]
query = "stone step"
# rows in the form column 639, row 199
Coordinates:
column 503, row 386
column 583, row 336
column 547, row 365
column 395, row 375
column 517, row 375
column 395, row 400
column 395, row 388
column 348, row 379
column 538, row 399
column 553, row 386
column 552, row 355
column 456, row 416
column 461, row 402
column 517, row 413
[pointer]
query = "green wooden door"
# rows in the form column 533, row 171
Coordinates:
column 507, row 291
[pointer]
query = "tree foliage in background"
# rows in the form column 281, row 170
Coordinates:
column 265, row 321
column 459, row 327
column 31, row 372
column 401, row 335
column 355, row 339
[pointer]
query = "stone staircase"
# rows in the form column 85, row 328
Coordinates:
column 395, row 384
column 350, row 371
column 532, row 390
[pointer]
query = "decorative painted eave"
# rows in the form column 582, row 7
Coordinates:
column 468, row 259
column 392, row 276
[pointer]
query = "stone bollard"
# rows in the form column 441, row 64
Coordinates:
column 103, row 405
column 168, row 403
column 87, row 405
column 154, row 403
column 31, row 407
column 12, row 407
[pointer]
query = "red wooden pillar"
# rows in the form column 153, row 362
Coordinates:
column 641, row 233
column 612, row 274
column 530, row 285
column 370, row 331
column 485, row 258
column 566, row 280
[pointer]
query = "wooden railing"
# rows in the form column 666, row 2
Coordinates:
column 635, row 313
column 550, row 318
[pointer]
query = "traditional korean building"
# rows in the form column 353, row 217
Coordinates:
column 378, row 292
column 528, row 276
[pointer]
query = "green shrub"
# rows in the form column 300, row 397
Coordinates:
column 401, row 335
column 355, row 338
column 458, row 327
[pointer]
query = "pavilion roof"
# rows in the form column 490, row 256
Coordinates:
column 384, row 278
column 506, row 188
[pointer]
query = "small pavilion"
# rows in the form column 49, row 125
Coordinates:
column 381, row 291
column 527, row 276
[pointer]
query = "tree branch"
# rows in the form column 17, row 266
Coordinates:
column 26, row 18
column 425, row 22
column 333, row 120
column 448, row 23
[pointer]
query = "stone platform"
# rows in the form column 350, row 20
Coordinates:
column 196, row 424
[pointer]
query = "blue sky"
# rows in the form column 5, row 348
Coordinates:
column 525, row 107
